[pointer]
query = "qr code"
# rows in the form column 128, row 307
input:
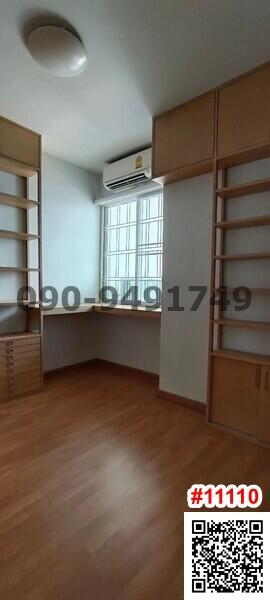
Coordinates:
column 225, row 555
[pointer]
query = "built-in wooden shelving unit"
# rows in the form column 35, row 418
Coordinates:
column 239, row 394
column 21, row 351
column 223, row 129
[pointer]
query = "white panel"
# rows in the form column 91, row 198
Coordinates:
column 187, row 251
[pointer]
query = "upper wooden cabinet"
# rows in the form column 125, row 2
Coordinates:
column 184, row 140
column 244, row 113
column 19, row 144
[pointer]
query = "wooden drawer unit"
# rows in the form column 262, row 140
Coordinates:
column 184, row 140
column 244, row 113
column 19, row 144
column 20, row 366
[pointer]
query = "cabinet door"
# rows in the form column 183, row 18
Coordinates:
column 184, row 136
column 264, row 406
column 20, row 144
column 244, row 113
column 235, row 395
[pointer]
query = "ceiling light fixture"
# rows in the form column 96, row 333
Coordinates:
column 58, row 50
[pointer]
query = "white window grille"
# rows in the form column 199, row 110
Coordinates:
column 131, row 257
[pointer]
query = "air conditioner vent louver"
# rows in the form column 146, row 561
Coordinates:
column 128, row 172
column 129, row 181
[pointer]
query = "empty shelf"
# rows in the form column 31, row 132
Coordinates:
column 17, row 201
column 244, row 189
column 230, row 290
column 242, row 223
column 17, row 269
column 250, row 256
column 17, row 168
column 24, row 237
column 242, row 323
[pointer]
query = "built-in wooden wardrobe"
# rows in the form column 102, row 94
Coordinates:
column 223, row 129
column 20, row 261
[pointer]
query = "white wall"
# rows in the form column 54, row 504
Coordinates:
column 71, row 229
column 128, row 341
column 71, row 223
column 69, row 339
column 187, row 252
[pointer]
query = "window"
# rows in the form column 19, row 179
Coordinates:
column 131, row 261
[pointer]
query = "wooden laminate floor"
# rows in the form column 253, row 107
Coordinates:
column 94, row 475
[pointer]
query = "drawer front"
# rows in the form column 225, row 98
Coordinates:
column 4, row 381
column 26, row 386
column 21, row 356
column 20, row 349
column 20, row 367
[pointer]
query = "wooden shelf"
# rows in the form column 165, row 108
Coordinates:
column 241, row 157
column 242, row 323
column 250, row 256
column 6, row 303
column 17, row 201
column 243, row 223
column 244, row 189
column 14, row 235
column 17, row 168
column 23, row 335
column 17, row 270
column 258, row 359
column 230, row 290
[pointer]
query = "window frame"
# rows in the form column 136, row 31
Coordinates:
column 137, row 199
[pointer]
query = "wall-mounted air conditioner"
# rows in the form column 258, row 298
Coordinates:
column 128, row 172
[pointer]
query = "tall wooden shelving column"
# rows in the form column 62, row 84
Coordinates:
column 239, row 395
column 239, row 349
column 21, row 370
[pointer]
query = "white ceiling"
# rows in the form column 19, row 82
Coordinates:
column 144, row 57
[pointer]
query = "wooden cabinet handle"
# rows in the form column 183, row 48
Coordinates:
column 266, row 380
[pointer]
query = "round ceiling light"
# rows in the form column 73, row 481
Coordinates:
column 58, row 50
